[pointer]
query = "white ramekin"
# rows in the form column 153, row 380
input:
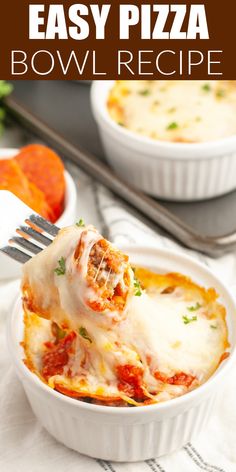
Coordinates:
column 172, row 171
column 8, row 267
column 128, row 434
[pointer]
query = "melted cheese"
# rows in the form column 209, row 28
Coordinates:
column 63, row 297
column 184, row 111
column 174, row 327
column 194, row 348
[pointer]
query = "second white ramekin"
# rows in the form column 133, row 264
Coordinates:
column 172, row 171
column 128, row 434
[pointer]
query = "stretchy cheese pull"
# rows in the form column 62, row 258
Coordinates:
column 79, row 274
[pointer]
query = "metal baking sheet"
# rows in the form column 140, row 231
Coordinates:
column 65, row 106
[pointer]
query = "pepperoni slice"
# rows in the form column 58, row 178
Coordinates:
column 39, row 204
column 178, row 379
column 130, row 381
column 13, row 179
column 54, row 361
column 44, row 168
column 181, row 379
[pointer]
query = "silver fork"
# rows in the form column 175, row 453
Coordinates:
column 19, row 241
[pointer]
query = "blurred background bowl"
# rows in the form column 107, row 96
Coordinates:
column 169, row 170
column 11, row 269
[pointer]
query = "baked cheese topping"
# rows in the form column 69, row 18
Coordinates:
column 169, row 338
column 180, row 111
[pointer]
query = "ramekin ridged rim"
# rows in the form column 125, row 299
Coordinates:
column 171, row 150
column 163, row 406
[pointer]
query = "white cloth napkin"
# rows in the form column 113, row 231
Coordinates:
column 26, row 447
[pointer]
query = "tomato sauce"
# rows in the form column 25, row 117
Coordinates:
column 130, row 379
column 57, row 357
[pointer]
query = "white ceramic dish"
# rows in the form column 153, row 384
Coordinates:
column 173, row 171
column 128, row 434
column 8, row 267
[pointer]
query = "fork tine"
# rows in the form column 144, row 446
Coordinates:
column 26, row 245
column 44, row 225
column 27, row 240
column 29, row 232
column 16, row 254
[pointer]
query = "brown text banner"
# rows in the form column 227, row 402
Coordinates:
column 117, row 40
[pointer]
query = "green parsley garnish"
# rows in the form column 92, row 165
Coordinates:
column 194, row 307
column 137, row 286
column 5, row 89
column 80, row 223
column 120, row 123
column 213, row 326
column 58, row 332
column 144, row 93
column 172, row 125
column 206, row 88
column 2, row 114
column 171, row 110
column 188, row 320
column 198, row 118
column 84, row 333
column 61, row 270
column 220, row 93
